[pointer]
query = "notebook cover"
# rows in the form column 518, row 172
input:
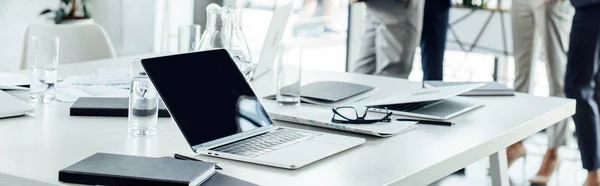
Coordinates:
column 116, row 107
column 332, row 91
column 114, row 169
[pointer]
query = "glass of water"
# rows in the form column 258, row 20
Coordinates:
column 143, row 103
column 189, row 38
column 44, row 62
column 289, row 73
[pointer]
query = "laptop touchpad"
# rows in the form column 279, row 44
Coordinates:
column 302, row 153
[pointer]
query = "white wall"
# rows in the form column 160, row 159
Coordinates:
column 15, row 15
column 131, row 25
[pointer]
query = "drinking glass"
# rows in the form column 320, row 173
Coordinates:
column 189, row 38
column 44, row 62
column 143, row 103
column 288, row 70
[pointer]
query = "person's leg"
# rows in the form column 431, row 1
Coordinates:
column 527, row 48
column 580, row 84
column 556, row 28
column 433, row 39
column 594, row 176
column 366, row 63
column 526, row 38
column 397, row 36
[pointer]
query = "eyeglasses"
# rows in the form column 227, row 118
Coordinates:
column 349, row 115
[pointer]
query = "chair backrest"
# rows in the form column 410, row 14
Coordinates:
column 79, row 42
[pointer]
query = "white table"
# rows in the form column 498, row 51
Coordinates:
column 34, row 148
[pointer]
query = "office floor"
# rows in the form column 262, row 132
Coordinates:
column 569, row 171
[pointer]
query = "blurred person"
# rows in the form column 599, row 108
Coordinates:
column 537, row 25
column 433, row 38
column 392, row 34
column 308, row 12
column 581, row 83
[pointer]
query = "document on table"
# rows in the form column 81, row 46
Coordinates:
column 105, row 83
column 13, row 81
column 71, row 94
column 96, row 81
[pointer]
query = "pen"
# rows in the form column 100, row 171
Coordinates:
column 428, row 122
column 182, row 157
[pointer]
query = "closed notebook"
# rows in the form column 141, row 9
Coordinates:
column 117, row 107
column 114, row 169
column 489, row 89
column 326, row 92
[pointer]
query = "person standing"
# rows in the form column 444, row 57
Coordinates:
column 537, row 25
column 392, row 33
column 433, row 38
column 582, row 82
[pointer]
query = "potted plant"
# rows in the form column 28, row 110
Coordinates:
column 69, row 10
column 474, row 3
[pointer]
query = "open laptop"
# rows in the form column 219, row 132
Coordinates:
column 12, row 106
column 281, row 15
column 438, row 103
column 220, row 115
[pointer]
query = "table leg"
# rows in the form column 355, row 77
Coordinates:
column 499, row 168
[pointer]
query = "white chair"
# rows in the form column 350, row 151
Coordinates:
column 77, row 43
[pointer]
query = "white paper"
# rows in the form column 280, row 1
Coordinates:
column 105, row 83
column 8, row 79
column 106, row 92
column 70, row 94
column 96, row 81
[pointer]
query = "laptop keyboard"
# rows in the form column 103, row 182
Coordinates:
column 267, row 142
column 407, row 107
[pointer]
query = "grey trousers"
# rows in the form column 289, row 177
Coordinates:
column 392, row 34
column 535, row 24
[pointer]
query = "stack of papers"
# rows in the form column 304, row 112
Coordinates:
column 105, row 83
column 121, row 82
column 71, row 94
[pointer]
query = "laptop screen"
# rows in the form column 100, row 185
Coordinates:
column 206, row 95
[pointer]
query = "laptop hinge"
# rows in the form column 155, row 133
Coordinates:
column 233, row 138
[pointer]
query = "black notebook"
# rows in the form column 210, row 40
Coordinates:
column 114, row 169
column 118, row 107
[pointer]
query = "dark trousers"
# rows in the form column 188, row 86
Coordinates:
column 582, row 82
column 433, row 38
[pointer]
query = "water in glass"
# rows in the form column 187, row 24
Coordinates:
column 143, row 103
column 289, row 71
column 44, row 62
